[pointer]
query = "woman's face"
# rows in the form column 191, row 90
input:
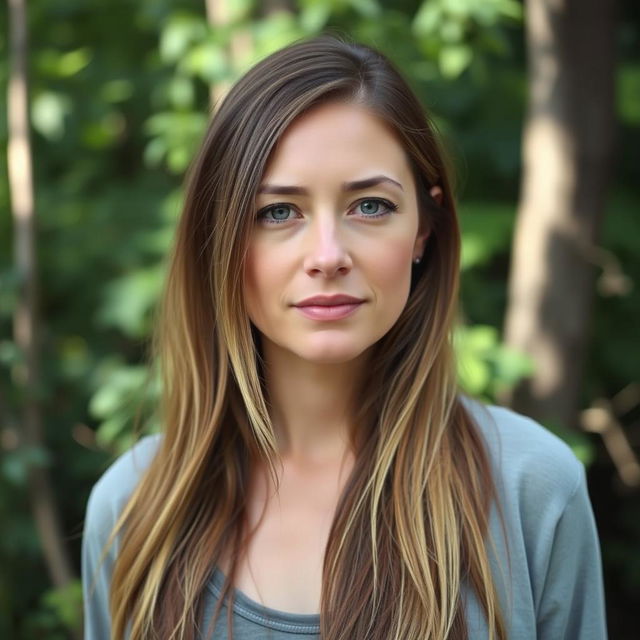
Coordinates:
column 336, row 231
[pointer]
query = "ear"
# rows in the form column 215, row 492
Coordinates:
column 436, row 194
column 421, row 240
column 418, row 247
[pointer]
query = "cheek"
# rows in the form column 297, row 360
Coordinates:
column 261, row 281
column 391, row 270
column 252, row 286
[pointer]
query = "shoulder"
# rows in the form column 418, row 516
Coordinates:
column 113, row 489
column 530, row 463
column 546, row 558
column 108, row 497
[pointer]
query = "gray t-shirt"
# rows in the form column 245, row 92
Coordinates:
column 550, row 587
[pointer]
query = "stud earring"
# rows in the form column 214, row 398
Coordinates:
column 416, row 260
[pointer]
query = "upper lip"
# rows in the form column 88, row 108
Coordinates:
column 328, row 301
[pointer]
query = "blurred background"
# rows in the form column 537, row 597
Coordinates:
column 539, row 107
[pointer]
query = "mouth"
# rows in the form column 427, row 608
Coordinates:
column 324, row 308
column 329, row 301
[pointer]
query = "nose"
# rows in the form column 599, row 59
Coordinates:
column 326, row 254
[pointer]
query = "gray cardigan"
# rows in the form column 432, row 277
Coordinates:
column 550, row 587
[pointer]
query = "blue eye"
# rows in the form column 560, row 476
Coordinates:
column 275, row 213
column 367, row 208
column 375, row 207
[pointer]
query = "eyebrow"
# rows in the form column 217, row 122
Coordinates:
column 356, row 185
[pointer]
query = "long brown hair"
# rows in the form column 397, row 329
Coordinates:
column 410, row 530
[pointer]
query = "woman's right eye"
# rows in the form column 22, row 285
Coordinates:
column 276, row 213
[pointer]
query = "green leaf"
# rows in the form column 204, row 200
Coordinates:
column 174, row 136
column 117, row 90
column 511, row 366
column 128, row 300
column 473, row 346
column 628, row 94
column 454, row 59
column 104, row 132
column 66, row 604
column 485, row 365
column 427, row 19
column 473, row 374
column 63, row 65
column 208, row 61
column 274, row 32
column 120, row 385
column 48, row 112
column 486, row 231
column 179, row 33
column 314, row 17
column 366, row 8
column 181, row 92
column 452, row 31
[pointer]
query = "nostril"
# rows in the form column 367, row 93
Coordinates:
column 328, row 262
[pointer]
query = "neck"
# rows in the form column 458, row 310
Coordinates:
column 311, row 404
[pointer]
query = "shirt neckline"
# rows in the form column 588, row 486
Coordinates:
column 243, row 605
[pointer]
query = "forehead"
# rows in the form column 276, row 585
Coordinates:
column 338, row 137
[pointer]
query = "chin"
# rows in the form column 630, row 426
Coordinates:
column 331, row 352
column 330, row 358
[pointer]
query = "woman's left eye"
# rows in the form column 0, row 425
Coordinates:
column 276, row 213
column 375, row 207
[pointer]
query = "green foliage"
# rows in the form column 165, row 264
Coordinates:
column 453, row 31
column 65, row 604
column 119, row 101
column 487, row 228
column 123, row 390
column 58, row 613
column 486, row 367
column 15, row 464
column 129, row 299
column 628, row 95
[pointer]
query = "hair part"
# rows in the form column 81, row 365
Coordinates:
column 410, row 529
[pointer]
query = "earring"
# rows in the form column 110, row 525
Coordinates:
column 416, row 260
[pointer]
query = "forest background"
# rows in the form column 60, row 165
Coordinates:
column 539, row 104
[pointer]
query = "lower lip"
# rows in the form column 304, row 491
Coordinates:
column 334, row 312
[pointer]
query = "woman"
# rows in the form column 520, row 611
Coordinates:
column 319, row 473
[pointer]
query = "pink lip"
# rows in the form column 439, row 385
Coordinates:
column 328, row 301
column 328, row 312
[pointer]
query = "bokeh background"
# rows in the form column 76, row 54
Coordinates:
column 539, row 107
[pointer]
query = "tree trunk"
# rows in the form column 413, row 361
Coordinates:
column 567, row 145
column 27, row 373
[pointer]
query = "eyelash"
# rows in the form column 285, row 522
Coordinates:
column 390, row 206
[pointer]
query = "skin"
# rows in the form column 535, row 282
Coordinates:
column 330, row 242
